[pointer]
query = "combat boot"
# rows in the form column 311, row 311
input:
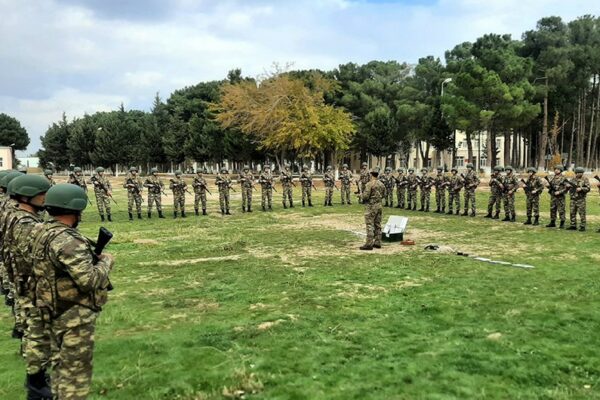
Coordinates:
column 222, row 211
column 302, row 203
column 426, row 209
column 243, row 209
column 552, row 224
column 264, row 209
column 139, row 215
column 291, row 204
column 528, row 222
column 473, row 214
column 506, row 218
column 582, row 229
column 437, row 210
column 270, row 208
column 37, row 386
column 310, row 203
column 109, row 217
column 536, row 221
column 227, row 212
column 249, row 209
column 398, row 206
column 204, row 211
column 414, row 208
column 174, row 214
column 182, row 214
column 130, row 216
column 572, row 228
column 513, row 218
column 284, row 206
column 102, row 217
column 496, row 216
column 377, row 245
column 149, row 215
column 457, row 212
column 562, row 225
column 465, row 213
column 366, row 247
column 160, row 214
column 196, row 211
column 488, row 215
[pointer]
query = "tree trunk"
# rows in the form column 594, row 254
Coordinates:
column 468, row 134
column 544, row 136
column 490, row 148
column 591, row 138
column 507, row 148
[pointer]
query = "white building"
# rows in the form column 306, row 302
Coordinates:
column 6, row 158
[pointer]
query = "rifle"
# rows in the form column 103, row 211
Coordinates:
column 96, row 182
column 336, row 188
column 470, row 185
column 313, row 186
column 525, row 186
column 203, row 186
column 175, row 184
column 156, row 185
column 136, row 188
column 551, row 186
column 104, row 236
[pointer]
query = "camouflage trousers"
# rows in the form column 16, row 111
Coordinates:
column 266, row 197
column 470, row 201
column 4, row 278
column 453, row 200
column 440, row 199
column 363, row 187
column 134, row 198
column 246, row 197
column 509, row 205
column 411, row 199
column 557, row 206
column 345, row 193
column 328, row 194
column 373, row 214
column 389, row 196
column 19, row 309
column 154, row 199
column 36, row 340
column 224, row 199
column 578, row 207
column 495, row 200
column 72, row 335
column 533, row 206
column 200, row 197
column 425, row 199
column 306, row 194
column 178, row 202
column 401, row 195
column 287, row 194
column 102, row 202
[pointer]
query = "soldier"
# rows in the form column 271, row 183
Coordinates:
column 557, row 190
column 455, row 184
column 329, row 183
column 29, row 191
column 77, row 178
column 70, row 284
column 389, row 187
column 247, row 184
column 425, row 184
column 496, row 190
column 287, row 182
column 155, row 189
column 266, row 185
column 372, row 197
column 48, row 174
column 511, row 185
column 412, row 184
column 178, row 186
column 223, row 182
column 533, row 189
column 401, row 183
column 134, row 185
column 578, row 189
column 200, row 188
column 346, row 184
column 471, row 181
column 440, row 182
column 365, row 177
column 307, row 185
column 103, row 192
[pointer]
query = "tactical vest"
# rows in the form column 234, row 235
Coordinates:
column 18, row 268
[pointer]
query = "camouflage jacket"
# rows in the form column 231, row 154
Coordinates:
column 496, row 184
column 133, row 184
column 426, row 182
column 346, row 177
column 7, row 208
column 223, row 182
column 199, row 184
column 558, row 184
column 78, row 180
column 374, row 193
column 286, row 178
column 365, row 176
column 583, row 184
column 65, row 270
column 306, row 179
column 389, row 180
column 400, row 181
column 246, row 180
column 101, row 184
column 266, row 180
column 154, row 184
column 413, row 182
column 177, row 185
column 455, row 183
column 440, row 181
column 471, row 181
column 329, row 179
column 511, row 184
column 534, row 186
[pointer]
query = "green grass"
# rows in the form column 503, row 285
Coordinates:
column 282, row 305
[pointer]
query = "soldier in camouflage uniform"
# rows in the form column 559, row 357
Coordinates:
column 579, row 187
column 425, row 184
column 412, row 184
column 455, row 184
column 287, row 184
column 266, row 186
column 365, row 177
column 471, row 181
column 346, row 184
column 389, row 183
column 199, row 185
column 383, row 179
column 511, row 185
column 372, row 197
column 246, row 180
column 401, row 183
column 4, row 286
column 134, row 185
column 103, row 192
column 29, row 191
column 440, row 182
column 77, row 178
column 178, row 186
column 496, row 190
column 533, row 189
column 155, row 189
column 70, row 284
column 329, row 183
column 557, row 190
column 223, row 182
column 307, row 184
column 49, row 174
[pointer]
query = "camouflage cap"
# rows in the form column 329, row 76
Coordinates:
column 508, row 168
column 9, row 177
column 579, row 170
column 345, row 166
column 77, row 169
column 375, row 170
column 497, row 169
column 267, row 166
column 364, row 164
column 304, row 167
column 440, row 169
column 132, row 169
column 400, row 170
column 66, row 196
column 531, row 170
column 246, row 168
column 29, row 185
column 411, row 170
column 223, row 170
column 424, row 170
column 329, row 168
column 454, row 169
column 99, row 169
column 48, row 172
column 559, row 167
column 388, row 169
column 154, row 170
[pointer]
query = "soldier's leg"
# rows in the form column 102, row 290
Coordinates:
column 150, row 202
column 36, row 342
column 309, row 196
column 182, row 203
column 100, row 204
column 270, row 198
column 138, row 204
column 106, row 201
column 304, row 195
column 377, row 228
column 561, row 208
column 573, row 214
column 582, row 214
column 197, row 202
column 158, row 201
column 370, row 227
column 473, row 203
column 535, row 206
column 249, row 197
column 203, row 199
column 227, row 201
column 243, row 199
column 130, row 201
column 222, row 201
column 553, row 208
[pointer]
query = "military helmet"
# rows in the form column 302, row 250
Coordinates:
column 178, row 172
column 531, row 170
column 375, row 170
column 99, row 169
column 22, row 169
column 29, row 185
column 559, row 167
column 9, row 177
column 304, row 167
column 508, row 168
column 469, row 166
column 246, row 168
column 497, row 169
column 411, row 170
column 424, row 170
column 388, row 169
column 329, row 168
column 223, row 170
column 401, row 170
column 345, row 166
column 48, row 172
column 133, row 169
column 454, row 169
column 66, row 196
column 3, row 174
column 154, row 170
column 440, row 169
column 199, row 171
column 579, row 170
column 77, row 169
column 364, row 164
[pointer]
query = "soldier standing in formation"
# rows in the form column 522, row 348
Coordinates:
column 412, row 183
column 389, row 183
column 425, row 184
column 578, row 189
column 557, row 191
column 155, row 189
column 223, row 182
column 533, row 189
column 383, row 179
column 372, row 197
column 103, row 191
column 440, row 182
column 287, row 184
column 401, row 182
column 134, row 185
column 266, row 186
column 471, row 181
column 454, row 186
column 365, row 177
column 511, row 185
column 346, row 184
column 77, row 178
column 329, row 183
column 496, row 190
column 7, row 206
column 199, row 185
column 48, row 174
column 178, row 186
column 307, row 184
column 246, row 180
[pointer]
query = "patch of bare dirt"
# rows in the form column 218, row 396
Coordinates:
column 174, row 263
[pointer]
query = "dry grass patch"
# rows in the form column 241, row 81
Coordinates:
column 174, row 263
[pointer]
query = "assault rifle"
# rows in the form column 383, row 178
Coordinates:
column 136, row 188
column 470, row 185
column 175, row 184
column 526, row 187
column 103, row 187
column 268, row 183
column 156, row 185
column 104, row 236
column 551, row 186
column 202, row 185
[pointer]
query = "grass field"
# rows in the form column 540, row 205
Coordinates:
column 283, row 305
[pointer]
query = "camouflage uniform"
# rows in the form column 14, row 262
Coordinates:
column 77, row 178
column 511, row 185
column 266, row 186
column 48, row 175
column 199, row 185
column 364, row 178
column 533, row 189
column 412, row 184
column 178, row 186
column 7, row 207
column 425, row 184
column 223, row 182
column 384, row 181
column 496, row 190
column 134, row 185
column 372, row 197
column 578, row 189
column 389, row 187
column 155, row 189
column 287, row 190
column 102, row 190
column 471, row 181
column 454, row 186
column 557, row 192
column 70, row 287
column 401, row 183
column 246, row 180
column 307, row 183
column 329, row 183
column 440, row 182
column 346, row 184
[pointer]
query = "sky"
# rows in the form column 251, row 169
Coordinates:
column 82, row 56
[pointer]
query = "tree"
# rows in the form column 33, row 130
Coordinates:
column 12, row 133
column 82, row 140
column 54, row 146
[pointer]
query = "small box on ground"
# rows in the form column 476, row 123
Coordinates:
column 394, row 229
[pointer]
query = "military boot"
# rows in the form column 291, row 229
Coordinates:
column 536, row 221
column 102, row 217
column 149, row 215
column 182, row 214
column 562, row 225
column 264, row 209
column 204, row 211
column 196, row 211
column 513, row 218
column 415, row 207
column 130, row 216
column 572, row 228
column 249, row 209
column 302, row 203
column 174, row 214
column 160, row 214
column 37, row 386
column 291, row 204
column 552, row 224
column 109, row 218
column 457, row 212
column 528, row 222
column 310, row 203
column 582, row 229
column 427, row 209
column 270, row 208
column 398, row 206
column 284, row 206
column 366, row 247
column 473, row 214
column 437, row 210
column 222, row 211
column 243, row 209
column 506, row 218
column 496, row 216
column 227, row 212
column 139, row 215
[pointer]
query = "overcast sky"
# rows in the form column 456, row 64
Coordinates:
column 82, row 56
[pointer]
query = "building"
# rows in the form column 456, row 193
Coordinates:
column 29, row 162
column 6, row 158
